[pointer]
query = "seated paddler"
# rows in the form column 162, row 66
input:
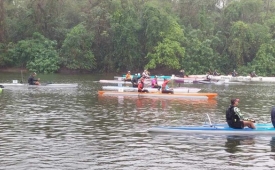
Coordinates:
column 141, row 86
column 32, row 80
column 146, row 74
column 128, row 76
column 165, row 88
column 135, row 80
column 235, row 118
column 154, row 83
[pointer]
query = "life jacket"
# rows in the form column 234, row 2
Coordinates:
column 128, row 76
column 154, row 82
column 30, row 80
column 140, row 86
column 231, row 116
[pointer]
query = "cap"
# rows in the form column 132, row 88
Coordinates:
column 156, row 76
column 129, row 71
column 164, row 79
column 234, row 100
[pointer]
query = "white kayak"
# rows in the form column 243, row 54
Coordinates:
column 150, row 89
column 70, row 85
column 122, row 82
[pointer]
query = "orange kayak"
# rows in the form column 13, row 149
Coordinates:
column 159, row 94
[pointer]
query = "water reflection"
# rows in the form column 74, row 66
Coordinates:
column 233, row 142
column 154, row 103
column 272, row 144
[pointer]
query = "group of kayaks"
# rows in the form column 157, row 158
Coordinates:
column 124, row 88
column 209, row 128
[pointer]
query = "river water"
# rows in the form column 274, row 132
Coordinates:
column 73, row 128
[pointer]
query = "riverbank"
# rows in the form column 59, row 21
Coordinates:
column 13, row 70
column 69, row 71
column 24, row 70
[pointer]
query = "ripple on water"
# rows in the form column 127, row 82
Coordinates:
column 75, row 129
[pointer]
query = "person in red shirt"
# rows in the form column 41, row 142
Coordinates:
column 165, row 88
column 141, row 86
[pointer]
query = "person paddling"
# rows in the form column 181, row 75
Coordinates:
column 165, row 88
column 253, row 74
column 135, row 80
column 141, row 86
column 234, row 73
column 235, row 118
column 154, row 83
column 128, row 76
column 146, row 74
column 32, row 80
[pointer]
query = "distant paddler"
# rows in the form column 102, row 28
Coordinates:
column 154, row 83
column 135, row 80
column 128, row 76
column 165, row 88
column 182, row 73
column 141, row 86
column 234, row 73
column 146, row 74
column 32, row 80
column 253, row 74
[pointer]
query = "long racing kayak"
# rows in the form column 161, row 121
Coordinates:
column 134, row 89
column 159, row 94
column 71, row 85
column 261, row 129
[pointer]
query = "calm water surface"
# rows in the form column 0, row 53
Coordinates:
column 73, row 128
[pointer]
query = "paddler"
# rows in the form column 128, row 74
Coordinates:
column 154, row 83
column 135, row 80
column 235, row 118
column 165, row 88
column 234, row 73
column 146, row 74
column 128, row 76
column 141, row 86
column 32, row 80
column 182, row 73
column 253, row 74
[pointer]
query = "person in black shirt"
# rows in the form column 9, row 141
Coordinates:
column 32, row 80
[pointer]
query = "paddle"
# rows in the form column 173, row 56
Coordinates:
column 21, row 77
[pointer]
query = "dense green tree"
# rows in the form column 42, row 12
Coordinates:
column 163, row 38
column 76, row 50
column 37, row 54
column 263, row 63
column 125, row 26
column 120, row 35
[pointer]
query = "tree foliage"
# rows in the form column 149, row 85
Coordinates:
column 119, row 35
column 36, row 54
column 75, row 51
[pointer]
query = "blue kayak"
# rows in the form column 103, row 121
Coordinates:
column 261, row 129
